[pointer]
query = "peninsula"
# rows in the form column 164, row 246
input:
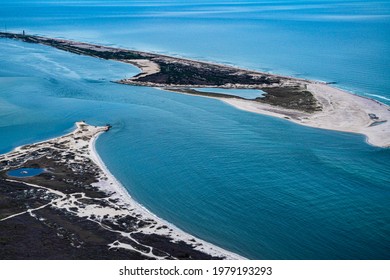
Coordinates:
column 75, row 209
column 301, row 101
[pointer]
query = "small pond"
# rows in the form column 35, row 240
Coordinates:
column 25, row 172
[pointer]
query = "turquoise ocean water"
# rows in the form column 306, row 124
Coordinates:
column 259, row 186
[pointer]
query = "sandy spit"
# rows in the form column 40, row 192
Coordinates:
column 342, row 111
column 111, row 184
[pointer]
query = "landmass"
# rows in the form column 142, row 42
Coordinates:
column 310, row 103
column 76, row 209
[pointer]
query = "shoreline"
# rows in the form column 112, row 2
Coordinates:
column 79, row 188
column 352, row 114
column 305, row 102
column 124, row 194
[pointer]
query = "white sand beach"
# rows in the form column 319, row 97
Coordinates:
column 80, row 143
column 109, row 183
column 341, row 111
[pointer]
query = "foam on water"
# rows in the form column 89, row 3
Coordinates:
column 380, row 97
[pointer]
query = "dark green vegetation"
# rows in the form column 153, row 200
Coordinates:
column 15, row 198
column 182, row 73
column 61, row 214
column 98, row 51
column 294, row 98
column 56, row 234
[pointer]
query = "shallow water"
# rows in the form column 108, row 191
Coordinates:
column 259, row 186
column 244, row 93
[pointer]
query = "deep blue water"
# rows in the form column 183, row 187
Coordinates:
column 25, row 172
column 259, row 186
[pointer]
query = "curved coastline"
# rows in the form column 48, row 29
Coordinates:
column 80, row 189
column 342, row 111
column 112, row 184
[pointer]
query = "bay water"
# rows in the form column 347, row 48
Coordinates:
column 256, row 185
